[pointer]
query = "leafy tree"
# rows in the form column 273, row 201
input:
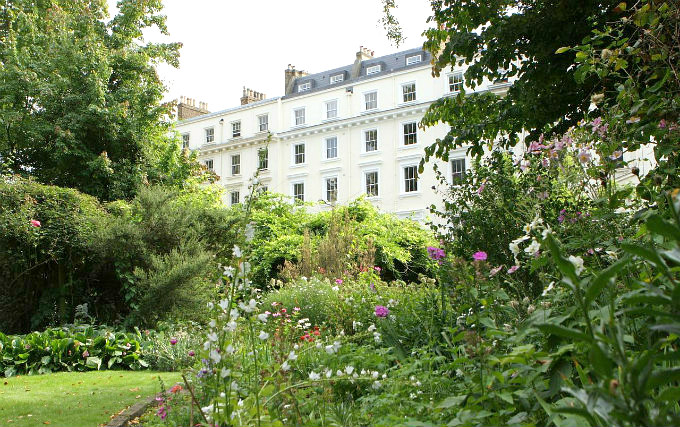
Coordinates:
column 80, row 97
column 493, row 37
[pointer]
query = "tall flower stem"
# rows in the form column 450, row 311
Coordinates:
column 257, row 372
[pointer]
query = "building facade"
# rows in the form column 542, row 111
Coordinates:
column 336, row 135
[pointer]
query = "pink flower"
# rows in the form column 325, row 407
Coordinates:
column 513, row 269
column 173, row 341
column 479, row 256
column 381, row 311
column 35, row 223
column 495, row 271
column 338, row 281
column 662, row 124
column 296, row 308
column 378, row 269
column 596, row 123
column 86, row 354
column 481, row 188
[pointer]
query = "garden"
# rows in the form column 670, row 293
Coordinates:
column 545, row 291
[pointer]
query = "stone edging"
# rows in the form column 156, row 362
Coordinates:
column 136, row 410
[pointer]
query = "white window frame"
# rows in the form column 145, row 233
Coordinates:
column 292, row 190
column 327, row 110
column 235, row 167
column 462, row 173
column 324, row 188
column 404, row 178
column 366, row 101
column 337, row 78
column 304, row 87
column 264, row 122
column 302, row 116
column 364, row 141
column 186, row 138
column 325, row 148
column 461, row 83
column 236, row 129
column 373, row 69
column 377, row 183
column 405, row 94
column 210, row 135
column 414, row 59
column 209, row 164
column 295, row 155
column 404, row 134
column 233, row 193
column 260, row 159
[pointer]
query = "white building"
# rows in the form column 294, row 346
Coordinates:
column 336, row 135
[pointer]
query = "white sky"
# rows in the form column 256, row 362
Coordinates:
column 228, row 44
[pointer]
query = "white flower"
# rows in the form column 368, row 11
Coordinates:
column 335, row 288
column 578, row 263
column 237, row 252
column 250, row 307
column 533, row 247
column 262, row 317
column 329, row 349
column 212, row 337
column 336, row 345
column 527, row 228
column 231, row 326
column 225, row 372
column 210, row 305
column 314, row 376
column 229, row 349
column 234, row 385
column 329, row 373
column 212, row 323
column 263, row 335
column 546, row 231
column 234, row 313
column 215, row 356
column 548, row 289
column 285, row 366
column 349, row 369
column 224, row 304
column 292, row 356
column 339, row 373
column 514, row 248
column 376, row 385
column 296, row 346
column 375, row 374
column 206, row 345
column 319, row 345
column 371, row 328
column 363, row 372
column 229, row 271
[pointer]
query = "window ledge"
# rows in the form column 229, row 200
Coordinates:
column 298, row 165
column 331, row 160
column 410, row 194
column 370, row 153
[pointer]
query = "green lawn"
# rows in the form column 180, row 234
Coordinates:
column 75, row 399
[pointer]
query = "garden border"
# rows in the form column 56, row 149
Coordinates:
column 134, row 411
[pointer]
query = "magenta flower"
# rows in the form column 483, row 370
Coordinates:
column 338, row 281
column 479, row 256
column 192, row 353
column 436, row 254
column 662, row 124
column 35, row 223
column 513, row 269
column 378, row 269
column 381, row 311
column 173, row 341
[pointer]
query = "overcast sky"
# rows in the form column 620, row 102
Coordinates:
column 228, row 44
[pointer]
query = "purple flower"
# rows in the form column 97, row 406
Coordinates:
column 173, row 341
column 479, row 256
column 513, row 269
column 372, row 286
column 192, row 353
column 436, row 254
column 596, row 123
column 381, row 311
column 662, row 124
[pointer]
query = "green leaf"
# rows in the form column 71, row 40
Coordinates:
column 563, row 331
column 663, row 376
column 562, row 49
column 604, row 278
column 452, row 401
column 93, row 362
column 660, row 226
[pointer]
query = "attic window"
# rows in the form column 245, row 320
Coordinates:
column 337, row 78
column 304, row 86
column 372, row 70
column 413, row 59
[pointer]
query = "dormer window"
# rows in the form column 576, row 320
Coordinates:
column 373, row 69
column 337, row 78
column 410, row 60
column 304, row 86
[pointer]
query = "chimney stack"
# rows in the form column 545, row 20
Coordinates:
column 291, row 75
column 250, row 96
column 186, row 108
column 363, row 54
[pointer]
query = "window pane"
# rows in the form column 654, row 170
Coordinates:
column 263, row 159
column 372, row 184
column 371, row 100
column 456, row 82
column 264, row 122
column 410, row 133
column 299, row 191
column 331, row 148
column 236, row 129
column 299, row 153
column 332, row 189
column 371, row 138
column 457, row 170
column 185, row 140
column 331, row 109
column 300, row 116
column 410, row 179
column 209, row 135
column 409, row 92
column 234, row 197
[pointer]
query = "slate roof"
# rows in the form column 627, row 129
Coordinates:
column 388, row 64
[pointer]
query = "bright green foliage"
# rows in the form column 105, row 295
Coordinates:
column 80, row 97
column 79, row 348
column 279, row 236
column 493, row 37
column 75, row 399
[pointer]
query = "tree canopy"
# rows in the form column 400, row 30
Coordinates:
column 80, row 99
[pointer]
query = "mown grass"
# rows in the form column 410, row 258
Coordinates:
column 75, row 399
